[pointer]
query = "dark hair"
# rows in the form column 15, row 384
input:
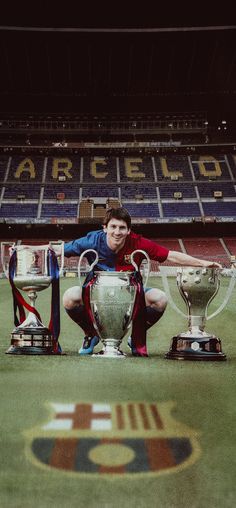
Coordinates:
column 119, row 214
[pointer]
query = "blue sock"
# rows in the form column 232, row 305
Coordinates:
column 153, row 315
column 79, row 316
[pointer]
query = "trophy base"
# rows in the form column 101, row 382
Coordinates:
column 31, row 341
column 188, row 347
column 110, row 352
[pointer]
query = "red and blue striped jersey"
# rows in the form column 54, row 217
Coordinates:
column 109, row 260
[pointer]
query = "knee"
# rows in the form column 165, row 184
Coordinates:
column 158, row 300
column 161, row 302
column 72, row 298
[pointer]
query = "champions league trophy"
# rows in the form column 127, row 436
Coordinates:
column 112, row 300
column 32, row 269
column 197, row 286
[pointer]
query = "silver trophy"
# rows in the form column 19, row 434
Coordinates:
column 31, row 274
column 197, row 286
column 112, row 300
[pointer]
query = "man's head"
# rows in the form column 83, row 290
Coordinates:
column 116, row 225
column 119, row 214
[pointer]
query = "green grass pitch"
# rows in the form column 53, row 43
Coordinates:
column 202, row 393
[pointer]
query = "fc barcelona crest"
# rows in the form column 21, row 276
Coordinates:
column 127, row 259
column 113, row 439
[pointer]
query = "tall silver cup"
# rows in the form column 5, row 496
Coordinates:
column 31, row 274
column 197, row 286
column 112, row 299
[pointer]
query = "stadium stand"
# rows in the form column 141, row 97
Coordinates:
column 59, row 210
column 136, row 169
column 99, row 169
column 211, row 167
column 63, row 168
column 173, row 166
column 207, row 190
column 230, row 244
column 3, row 166
column 100, row 190
column 153, row 188
column 18, row 210
column 220, row 209
column 187, row 190
column 171, row 243
column 86, row 209
column 177, row 209
column 148, row 210
column 141, row 191
column 61, row 191
column 22, row 191
column 25, row 169
column 207, row 248
column 231, row 158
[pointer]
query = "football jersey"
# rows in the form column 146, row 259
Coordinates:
column 115, row 261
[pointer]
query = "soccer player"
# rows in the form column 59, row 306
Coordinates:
column 114, row 244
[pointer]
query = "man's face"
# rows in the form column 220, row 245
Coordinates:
column 117, row 231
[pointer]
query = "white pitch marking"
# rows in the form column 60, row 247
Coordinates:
column 101, row 408
column 63, row 408
column 101, row 425
column 60, row 424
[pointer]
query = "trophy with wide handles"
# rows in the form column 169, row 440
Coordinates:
column 32, row 269
column 198, row 286
column 112, row 297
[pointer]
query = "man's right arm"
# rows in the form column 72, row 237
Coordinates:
column 78, row 246
column 75, row 247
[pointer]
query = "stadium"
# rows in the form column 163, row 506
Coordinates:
column 99, row 115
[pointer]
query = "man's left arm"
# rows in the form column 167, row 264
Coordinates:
column 185, row 259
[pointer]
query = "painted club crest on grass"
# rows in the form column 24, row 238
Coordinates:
column 113, row 439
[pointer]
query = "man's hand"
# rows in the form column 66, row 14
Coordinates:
column 213, row 264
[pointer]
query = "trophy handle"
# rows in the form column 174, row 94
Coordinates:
column 3, row 260
column 59, row 243
column 80, row 260
column 225, row 271
column 136, row 266
column 169, row 296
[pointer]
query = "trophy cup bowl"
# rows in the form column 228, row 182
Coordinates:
column 112, row 300
column 197, row 286
column 31, row 275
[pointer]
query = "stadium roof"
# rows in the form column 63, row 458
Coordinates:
column 60, row 64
